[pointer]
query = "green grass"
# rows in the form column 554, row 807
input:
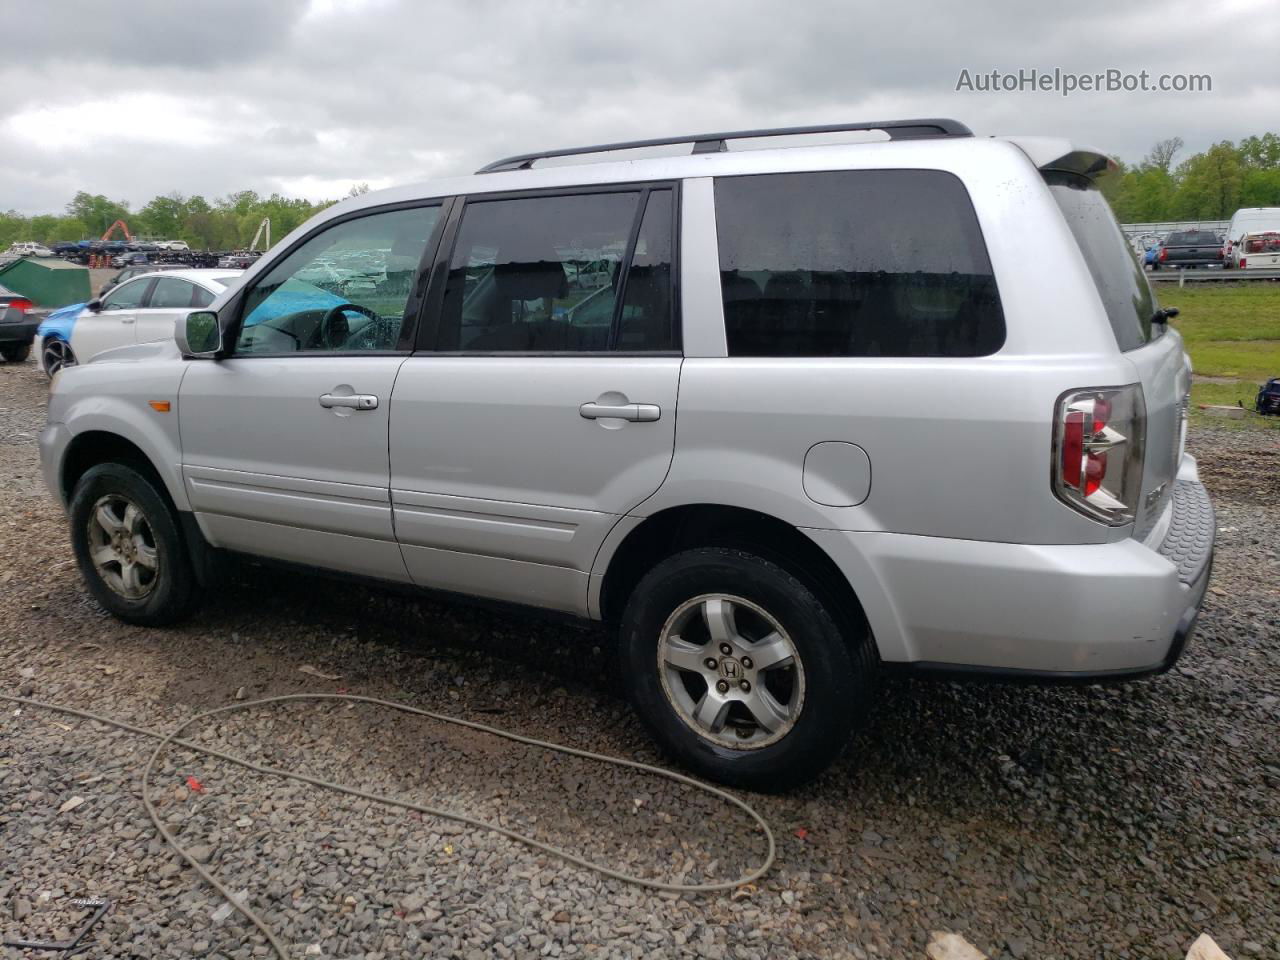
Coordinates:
column 1231, row 330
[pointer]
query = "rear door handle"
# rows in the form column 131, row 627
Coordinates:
column 635, row 412
column 357, row 401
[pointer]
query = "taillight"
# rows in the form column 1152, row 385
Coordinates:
column 1098, row 450
column 1164, row 253
column 1243, row 263
column 22, row 304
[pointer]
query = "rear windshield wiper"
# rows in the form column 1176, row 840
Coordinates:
column 1164, row 315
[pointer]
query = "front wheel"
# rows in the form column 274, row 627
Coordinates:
column 129, row 548
column 55, row 355
column 739, row 671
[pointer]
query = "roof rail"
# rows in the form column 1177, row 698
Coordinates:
column 715, row 142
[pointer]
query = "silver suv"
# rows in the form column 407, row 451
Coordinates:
column 784, row 417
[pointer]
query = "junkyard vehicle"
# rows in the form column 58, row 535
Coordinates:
column 1244, row 221
column 1259, row 251
column 902, row 442
column 1268, row 400
column 18, row 325
column 1189, row 248
column 128, row 273
column 141, row 309
column 29, row 249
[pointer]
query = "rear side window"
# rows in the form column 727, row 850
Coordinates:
column 857, row 263
column 1123, row 286
column 550, row 274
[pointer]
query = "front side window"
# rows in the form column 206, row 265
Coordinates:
column 546, row 274
column 859, row 263
column 171, row 293
column 127, row 296
column 345, row 289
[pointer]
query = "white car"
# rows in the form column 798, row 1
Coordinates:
column 1247, row 220
column 172, row 245
column 140, row 310
column 1259, row 251
column 28, row 249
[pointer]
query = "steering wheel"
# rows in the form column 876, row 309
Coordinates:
column 334, row 328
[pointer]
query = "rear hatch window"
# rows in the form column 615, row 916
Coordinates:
column 1121, row 283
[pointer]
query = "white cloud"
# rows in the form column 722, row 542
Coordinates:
column 310, row 98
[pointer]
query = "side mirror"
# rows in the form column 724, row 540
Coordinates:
column 199, row 335
column 95, row 306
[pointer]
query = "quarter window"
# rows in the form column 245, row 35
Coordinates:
column 546, row 274
column 866, row 263
column 344, row 290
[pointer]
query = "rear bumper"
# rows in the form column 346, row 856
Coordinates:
column 1065, row 613
column 24, row 331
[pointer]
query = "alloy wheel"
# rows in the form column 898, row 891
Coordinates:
column 56, row 355
column 730, row 671
column 122, row 546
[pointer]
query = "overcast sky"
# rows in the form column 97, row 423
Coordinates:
column 306, row 97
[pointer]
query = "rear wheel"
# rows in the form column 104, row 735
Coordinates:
column 739, row 671
column 56, row 355
column 16, row 353
column 129, row 548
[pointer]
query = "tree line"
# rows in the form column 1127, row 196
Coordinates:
column 1211, row 185
column 228, row 223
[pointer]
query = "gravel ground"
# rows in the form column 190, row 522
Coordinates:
column 1047, row 823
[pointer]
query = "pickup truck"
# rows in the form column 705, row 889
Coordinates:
column 1189, row 248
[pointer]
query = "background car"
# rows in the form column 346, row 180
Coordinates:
column 129, row 258
column 1190, row 248
column 1268, row 397
column 1259, row 251
column 135, row 270
column 28, row 249
column 139, row 310
column 17, row 325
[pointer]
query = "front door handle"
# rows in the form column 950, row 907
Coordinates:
column 635, row 412
column 127, row 319
column 355, row 401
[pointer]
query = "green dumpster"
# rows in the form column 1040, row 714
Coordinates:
column 47, row 281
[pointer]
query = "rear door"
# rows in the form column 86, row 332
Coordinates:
column 543, row 406
column 1155, row 350
column 171, row 299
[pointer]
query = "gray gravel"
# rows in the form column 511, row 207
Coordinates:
column 1094, row 822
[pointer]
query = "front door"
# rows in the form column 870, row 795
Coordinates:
column 545, row 408
column 112, row 324
column 284, row 444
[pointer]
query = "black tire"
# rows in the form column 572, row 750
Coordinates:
column 170, row 592
column 16, row 353
column 839, row 670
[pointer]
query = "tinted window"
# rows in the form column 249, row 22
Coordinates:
column 127, row 296
column 646, row 320
column 1123, row 286
column 345, row 289
column 876, row 263
column 201, row 297
column 171, row 293
column 543, row 274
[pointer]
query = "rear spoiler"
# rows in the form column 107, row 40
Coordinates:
column 1051, row 154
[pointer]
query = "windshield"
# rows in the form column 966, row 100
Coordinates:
column 1121, row 284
